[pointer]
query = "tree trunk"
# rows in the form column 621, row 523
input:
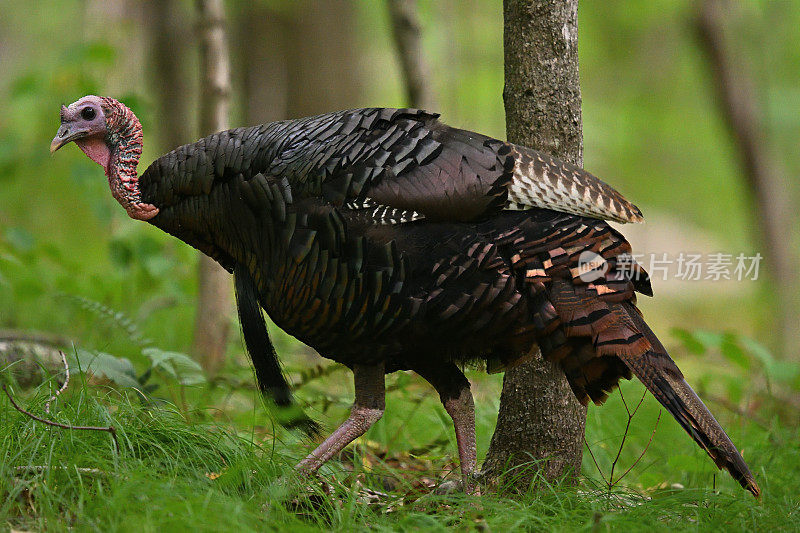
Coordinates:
column 323, row 68
column 212, row 322
column 262, row 70
column 408, row 42
column 169, row 38
column 540, row 419
column 736, row 94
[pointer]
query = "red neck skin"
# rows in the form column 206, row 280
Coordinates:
column 119, row 156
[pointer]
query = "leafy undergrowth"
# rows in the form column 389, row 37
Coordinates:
column 178, row 469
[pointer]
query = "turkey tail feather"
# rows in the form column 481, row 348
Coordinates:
column 656, row 370
column 270, row 378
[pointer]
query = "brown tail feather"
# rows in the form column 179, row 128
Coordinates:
column 664, row 380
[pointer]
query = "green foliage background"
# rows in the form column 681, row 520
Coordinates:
column 73, row 264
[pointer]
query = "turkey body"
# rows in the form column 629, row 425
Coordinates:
column 389, row 241
column 437, row 274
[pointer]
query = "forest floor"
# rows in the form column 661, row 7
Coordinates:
column 184, row 466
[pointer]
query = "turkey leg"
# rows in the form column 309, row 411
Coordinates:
column 367, row 409
column 454, row 391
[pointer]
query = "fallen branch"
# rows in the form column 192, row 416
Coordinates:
column 38, row 469
column 36, row 337
column 109, row 429
column 29, row 360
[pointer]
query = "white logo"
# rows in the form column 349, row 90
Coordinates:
column 591, row 266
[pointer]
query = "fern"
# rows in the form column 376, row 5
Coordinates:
column 112, row 317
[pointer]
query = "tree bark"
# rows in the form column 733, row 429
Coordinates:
column 408, row 42
column 169, row 39
column 261, row 70
column 212, row 322
column 540, row 419
column 738, row 106
column 323, row 72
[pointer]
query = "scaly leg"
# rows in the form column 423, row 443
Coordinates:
column 367, row 409
column 454, row 391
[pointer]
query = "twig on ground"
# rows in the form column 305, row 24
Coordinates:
column 625, row 435
column 109, row 429
column 641, row 455
column 596, row 464
column 63, row 386
column 610, row 482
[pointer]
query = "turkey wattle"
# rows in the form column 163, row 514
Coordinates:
column 389, row 241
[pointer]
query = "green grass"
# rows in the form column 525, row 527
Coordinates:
column 193, row 468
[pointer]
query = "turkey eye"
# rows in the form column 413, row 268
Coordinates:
column 88, row 113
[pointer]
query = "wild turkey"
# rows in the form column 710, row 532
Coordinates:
column 389, row 241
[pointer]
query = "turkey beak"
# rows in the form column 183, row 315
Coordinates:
column 59, row 139
column 66, row 134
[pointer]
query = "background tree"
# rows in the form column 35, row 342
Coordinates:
column 260, row 71
column 539, row 418
column 408, row 42
column 769, row 189
column 305, row 63
column 170, row 75
column 212, row 322
column 323, row 71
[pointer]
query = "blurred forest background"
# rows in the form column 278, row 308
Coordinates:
column 76, row 272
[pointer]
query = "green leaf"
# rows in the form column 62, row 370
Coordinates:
column 160, row 360
column 176, row 365
column 779, row 370
column 784, row 371
column 10, row 258
column 157, row 266
column 709, row 339
column 119, row 370
column 689, row 341
column 120, row 252
column 733, row 352
column 20, row 239
column 734, row 388
column 760, row 352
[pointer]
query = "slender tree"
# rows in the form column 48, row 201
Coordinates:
column 774, row 213
column 261, row 71
column 408, row 42
column 169, row 36
column 212, row 323
column 321, row 57
column 539, row 418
